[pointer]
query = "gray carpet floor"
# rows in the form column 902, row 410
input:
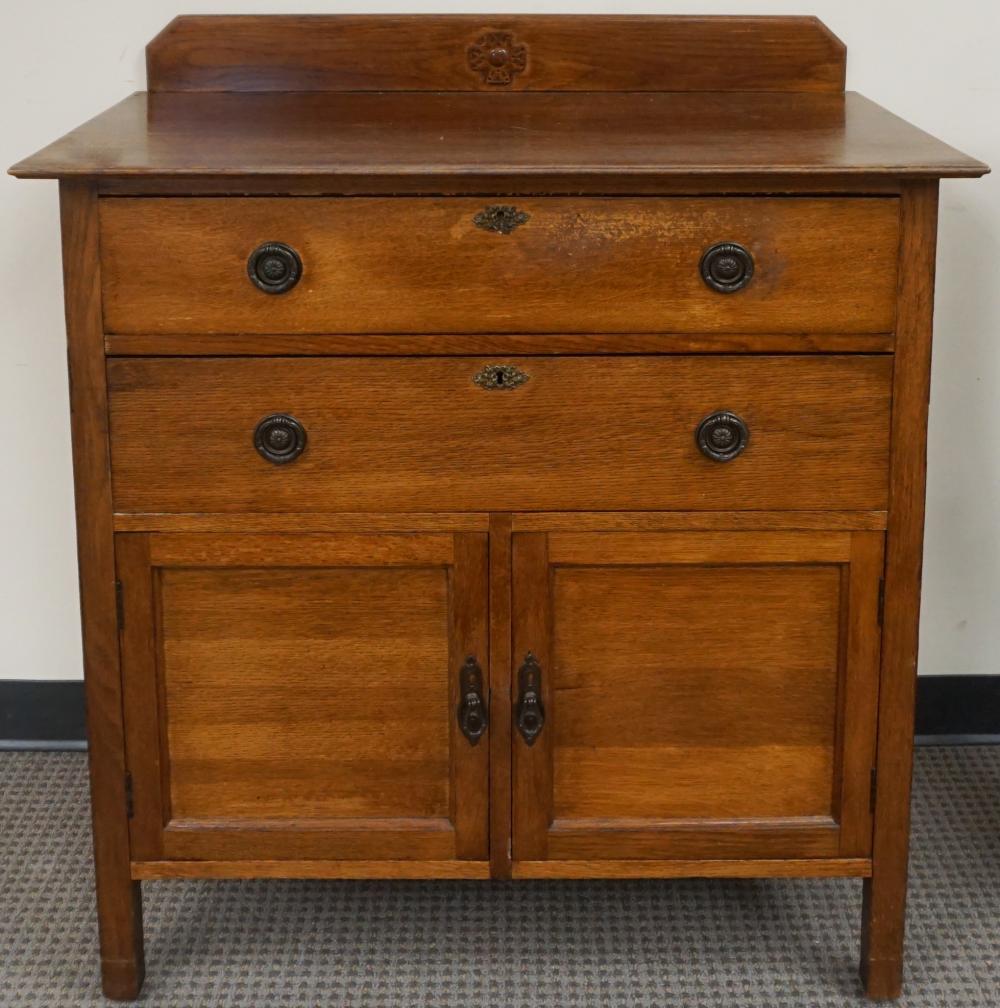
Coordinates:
column 697, row 944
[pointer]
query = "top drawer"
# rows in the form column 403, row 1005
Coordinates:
column 555, row 265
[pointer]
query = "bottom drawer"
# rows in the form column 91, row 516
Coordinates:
column 560, row 433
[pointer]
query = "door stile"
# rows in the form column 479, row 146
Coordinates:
column 532, row 636
column 500, row 741
column 858, row 711
column 468, row 638
column 144, row 720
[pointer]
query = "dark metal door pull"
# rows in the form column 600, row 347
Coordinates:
column 530, row 714
column 472, row 713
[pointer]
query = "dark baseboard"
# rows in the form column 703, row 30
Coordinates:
column 41, row 715
column 951, row 710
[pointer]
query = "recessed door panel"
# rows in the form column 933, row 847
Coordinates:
column 297, row 696
column 703, row 694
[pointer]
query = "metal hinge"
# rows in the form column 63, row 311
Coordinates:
column 881, row 599
column 120, row 604
column 871, row 793
column 129, row 803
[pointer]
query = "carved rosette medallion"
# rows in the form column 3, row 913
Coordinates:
column 497, row 57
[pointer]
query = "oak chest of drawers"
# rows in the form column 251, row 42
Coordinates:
column 499, row 452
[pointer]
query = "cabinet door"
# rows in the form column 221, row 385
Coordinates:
column 297, row 696
column 703, row 694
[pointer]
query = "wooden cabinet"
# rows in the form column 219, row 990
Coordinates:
column 499, row 452
column 294, row 696
column 705, row 694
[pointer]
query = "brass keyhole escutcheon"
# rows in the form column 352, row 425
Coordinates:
column 501, row 218
column 500, row 376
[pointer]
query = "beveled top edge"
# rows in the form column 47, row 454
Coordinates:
column 609, row 136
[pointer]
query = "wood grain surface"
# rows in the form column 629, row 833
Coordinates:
column 527, row 521
column 744, row 868
column 422, row 265
column 314, row 868
column 293, row 696
column 479, row 344
column 884, row 913
column 648, row 183
column 695, row 689
column 430, row 53
column 597, row 142
column 501, row 792
column 586, row 433
column 119, row 900
column 645, row 521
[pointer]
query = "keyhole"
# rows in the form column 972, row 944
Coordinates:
column 499, row 378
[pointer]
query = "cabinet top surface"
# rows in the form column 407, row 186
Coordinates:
column 488, row 96
column 411, row 134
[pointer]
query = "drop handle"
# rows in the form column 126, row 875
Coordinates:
column 530, row 713
column 473, row 716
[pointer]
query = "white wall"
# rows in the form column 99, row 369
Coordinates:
column 935, row 64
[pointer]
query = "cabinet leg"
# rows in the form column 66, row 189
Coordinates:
column 119, row 902
column 119, row 916
column 882, row 929
column 885, row 892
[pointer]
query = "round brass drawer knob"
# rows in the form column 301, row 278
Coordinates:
column 274, row 267
column 722, row 436
column 727, row 267
column 280, row 438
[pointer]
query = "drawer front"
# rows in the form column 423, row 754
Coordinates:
column 561, row 433
column 449, row 265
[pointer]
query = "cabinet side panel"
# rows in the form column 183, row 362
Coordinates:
column 118, row 897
